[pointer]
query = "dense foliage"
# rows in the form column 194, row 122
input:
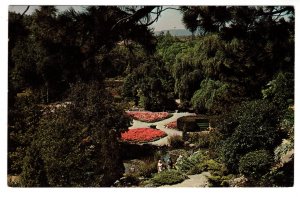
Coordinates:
column 255, row 164
column 253, row 125
column 77, row 144
column 176, row 141
column 50, row 50
column 234, row 61
column 65, row 118
column 212, row 97
column 74, row 141
column 168, row 177
column 150, row 86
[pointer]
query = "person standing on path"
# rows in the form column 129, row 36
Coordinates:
column 169, row 163
column 159, row 166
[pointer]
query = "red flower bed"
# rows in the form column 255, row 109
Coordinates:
column 142, row 135
column 149, row 116
column 172, row 125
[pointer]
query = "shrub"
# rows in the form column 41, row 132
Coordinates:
column 219, row 181
column 287, row 124
column 252, row 125
column 176, row 141
column 185, row 164
column 204, row 139
column 187, row 123
column 176, row 152
column 168, row 177
column 255, row 164
column 210, row 165
column 148, row 168
column 215, row 141
column 280, row 90
column 200, row 139
column 215, row 181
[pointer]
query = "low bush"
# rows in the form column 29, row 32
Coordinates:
column 148, row 168
column 219, row 181
column 175, row 154
column 214, row 167
column 176, row 141
column 200, row 139
column 168, row 177
column 255, row 164
column 215, row 141
column 185, row 164
column 207, row 165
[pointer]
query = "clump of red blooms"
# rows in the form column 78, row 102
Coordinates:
column 148, row 116
column 142, row 135
column 171, row 125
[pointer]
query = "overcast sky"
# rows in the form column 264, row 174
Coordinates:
column 169, row 19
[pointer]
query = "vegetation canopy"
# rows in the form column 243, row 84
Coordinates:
column 96, row 97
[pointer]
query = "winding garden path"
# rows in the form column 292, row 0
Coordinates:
column 161, row 126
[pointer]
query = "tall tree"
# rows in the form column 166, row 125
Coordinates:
column 250, row 46
column 53, row 51
column 78, row 143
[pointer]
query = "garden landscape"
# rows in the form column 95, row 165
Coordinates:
column 98, row 98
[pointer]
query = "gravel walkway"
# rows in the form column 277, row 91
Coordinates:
column 160, row 126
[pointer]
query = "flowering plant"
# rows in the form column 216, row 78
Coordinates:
column 142, row 135
column 149, row 116
column 171, row 125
